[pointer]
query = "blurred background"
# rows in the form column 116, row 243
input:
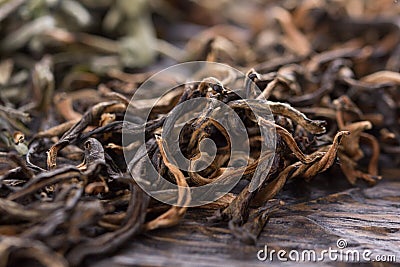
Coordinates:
column 96, row 36
column 90, row 47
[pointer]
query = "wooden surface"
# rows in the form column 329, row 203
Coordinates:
column 317, row 214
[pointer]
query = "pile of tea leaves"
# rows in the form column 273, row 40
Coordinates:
column 328, row 70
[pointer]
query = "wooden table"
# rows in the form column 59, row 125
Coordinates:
column 316, row 215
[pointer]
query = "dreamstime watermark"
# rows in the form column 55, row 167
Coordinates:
column 203, row 92
column 339, row 253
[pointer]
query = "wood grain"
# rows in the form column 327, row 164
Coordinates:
column 329, row 209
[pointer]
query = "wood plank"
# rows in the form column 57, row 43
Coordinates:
column 367, row 218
